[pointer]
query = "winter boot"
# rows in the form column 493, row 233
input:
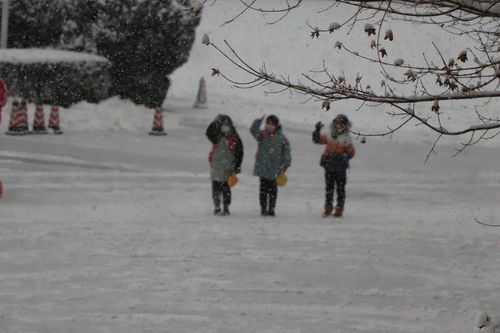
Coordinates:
column 270, row 212
column 328, row 210
column 338, row 211
column 263, row 211
column 226, row 211
column 217, row 211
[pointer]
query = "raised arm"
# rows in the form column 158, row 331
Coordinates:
column 316, row 136
column 255, row 128
column 213, row 131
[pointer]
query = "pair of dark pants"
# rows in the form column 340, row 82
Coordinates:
column 221, row 189
column 335, row 179
column 268, row 194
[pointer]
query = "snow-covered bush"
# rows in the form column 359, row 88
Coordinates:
column 55, row 77
column 144, row 40
column 80, row 25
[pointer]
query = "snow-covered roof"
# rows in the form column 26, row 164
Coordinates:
column 46, row 56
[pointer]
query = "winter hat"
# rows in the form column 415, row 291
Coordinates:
column 342, row 118
column 274, row 120
column 222, row 118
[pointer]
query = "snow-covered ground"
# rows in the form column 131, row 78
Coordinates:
column 112, row 232
column 106, row 229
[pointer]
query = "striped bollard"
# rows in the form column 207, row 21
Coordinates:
column 39, row 121
column 23, row 118
column 18, row 122
column 201, row 97
column 158, row 129
column 54, row 121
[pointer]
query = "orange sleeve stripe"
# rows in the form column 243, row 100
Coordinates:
column 350, row 150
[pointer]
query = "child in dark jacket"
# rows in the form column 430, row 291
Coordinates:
column 335, row 160
column 273, row 158
column 225, row 158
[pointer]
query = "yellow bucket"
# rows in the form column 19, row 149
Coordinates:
column 281, row 180
column 232, row 180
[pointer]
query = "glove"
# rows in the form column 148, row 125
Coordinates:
column 237, row 170
column 318, row 126
column 346, row 156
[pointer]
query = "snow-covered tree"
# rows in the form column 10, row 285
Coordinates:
column 80, row 24
column 145, row 41
column 35, row 23
column 415, row 87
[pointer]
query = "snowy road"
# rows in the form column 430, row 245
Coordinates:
column 113, row 233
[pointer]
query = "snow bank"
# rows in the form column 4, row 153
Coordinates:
column 113, row 114
column 29, row 56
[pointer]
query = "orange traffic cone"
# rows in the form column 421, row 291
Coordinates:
column 201, row 97
column 23, row 125
column 18, row 122
column 39, row 121
column 13, row 116
column 54, row 121
column 3, row 96
column 158, row 123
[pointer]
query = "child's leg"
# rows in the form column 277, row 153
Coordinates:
column 216, row 193
column 329, row 188
column 263, row 195
column 340, row 180
column 273, row 195
column 226, row 195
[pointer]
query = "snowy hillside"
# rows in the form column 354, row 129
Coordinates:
column 287, row 48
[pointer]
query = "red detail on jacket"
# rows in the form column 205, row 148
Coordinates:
column 336, row 147
column 232, row 139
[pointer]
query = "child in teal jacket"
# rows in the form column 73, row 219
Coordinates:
column 273, row 158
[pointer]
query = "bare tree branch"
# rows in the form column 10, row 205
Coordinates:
column 473, row 74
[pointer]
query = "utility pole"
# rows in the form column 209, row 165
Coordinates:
column 5, row 24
